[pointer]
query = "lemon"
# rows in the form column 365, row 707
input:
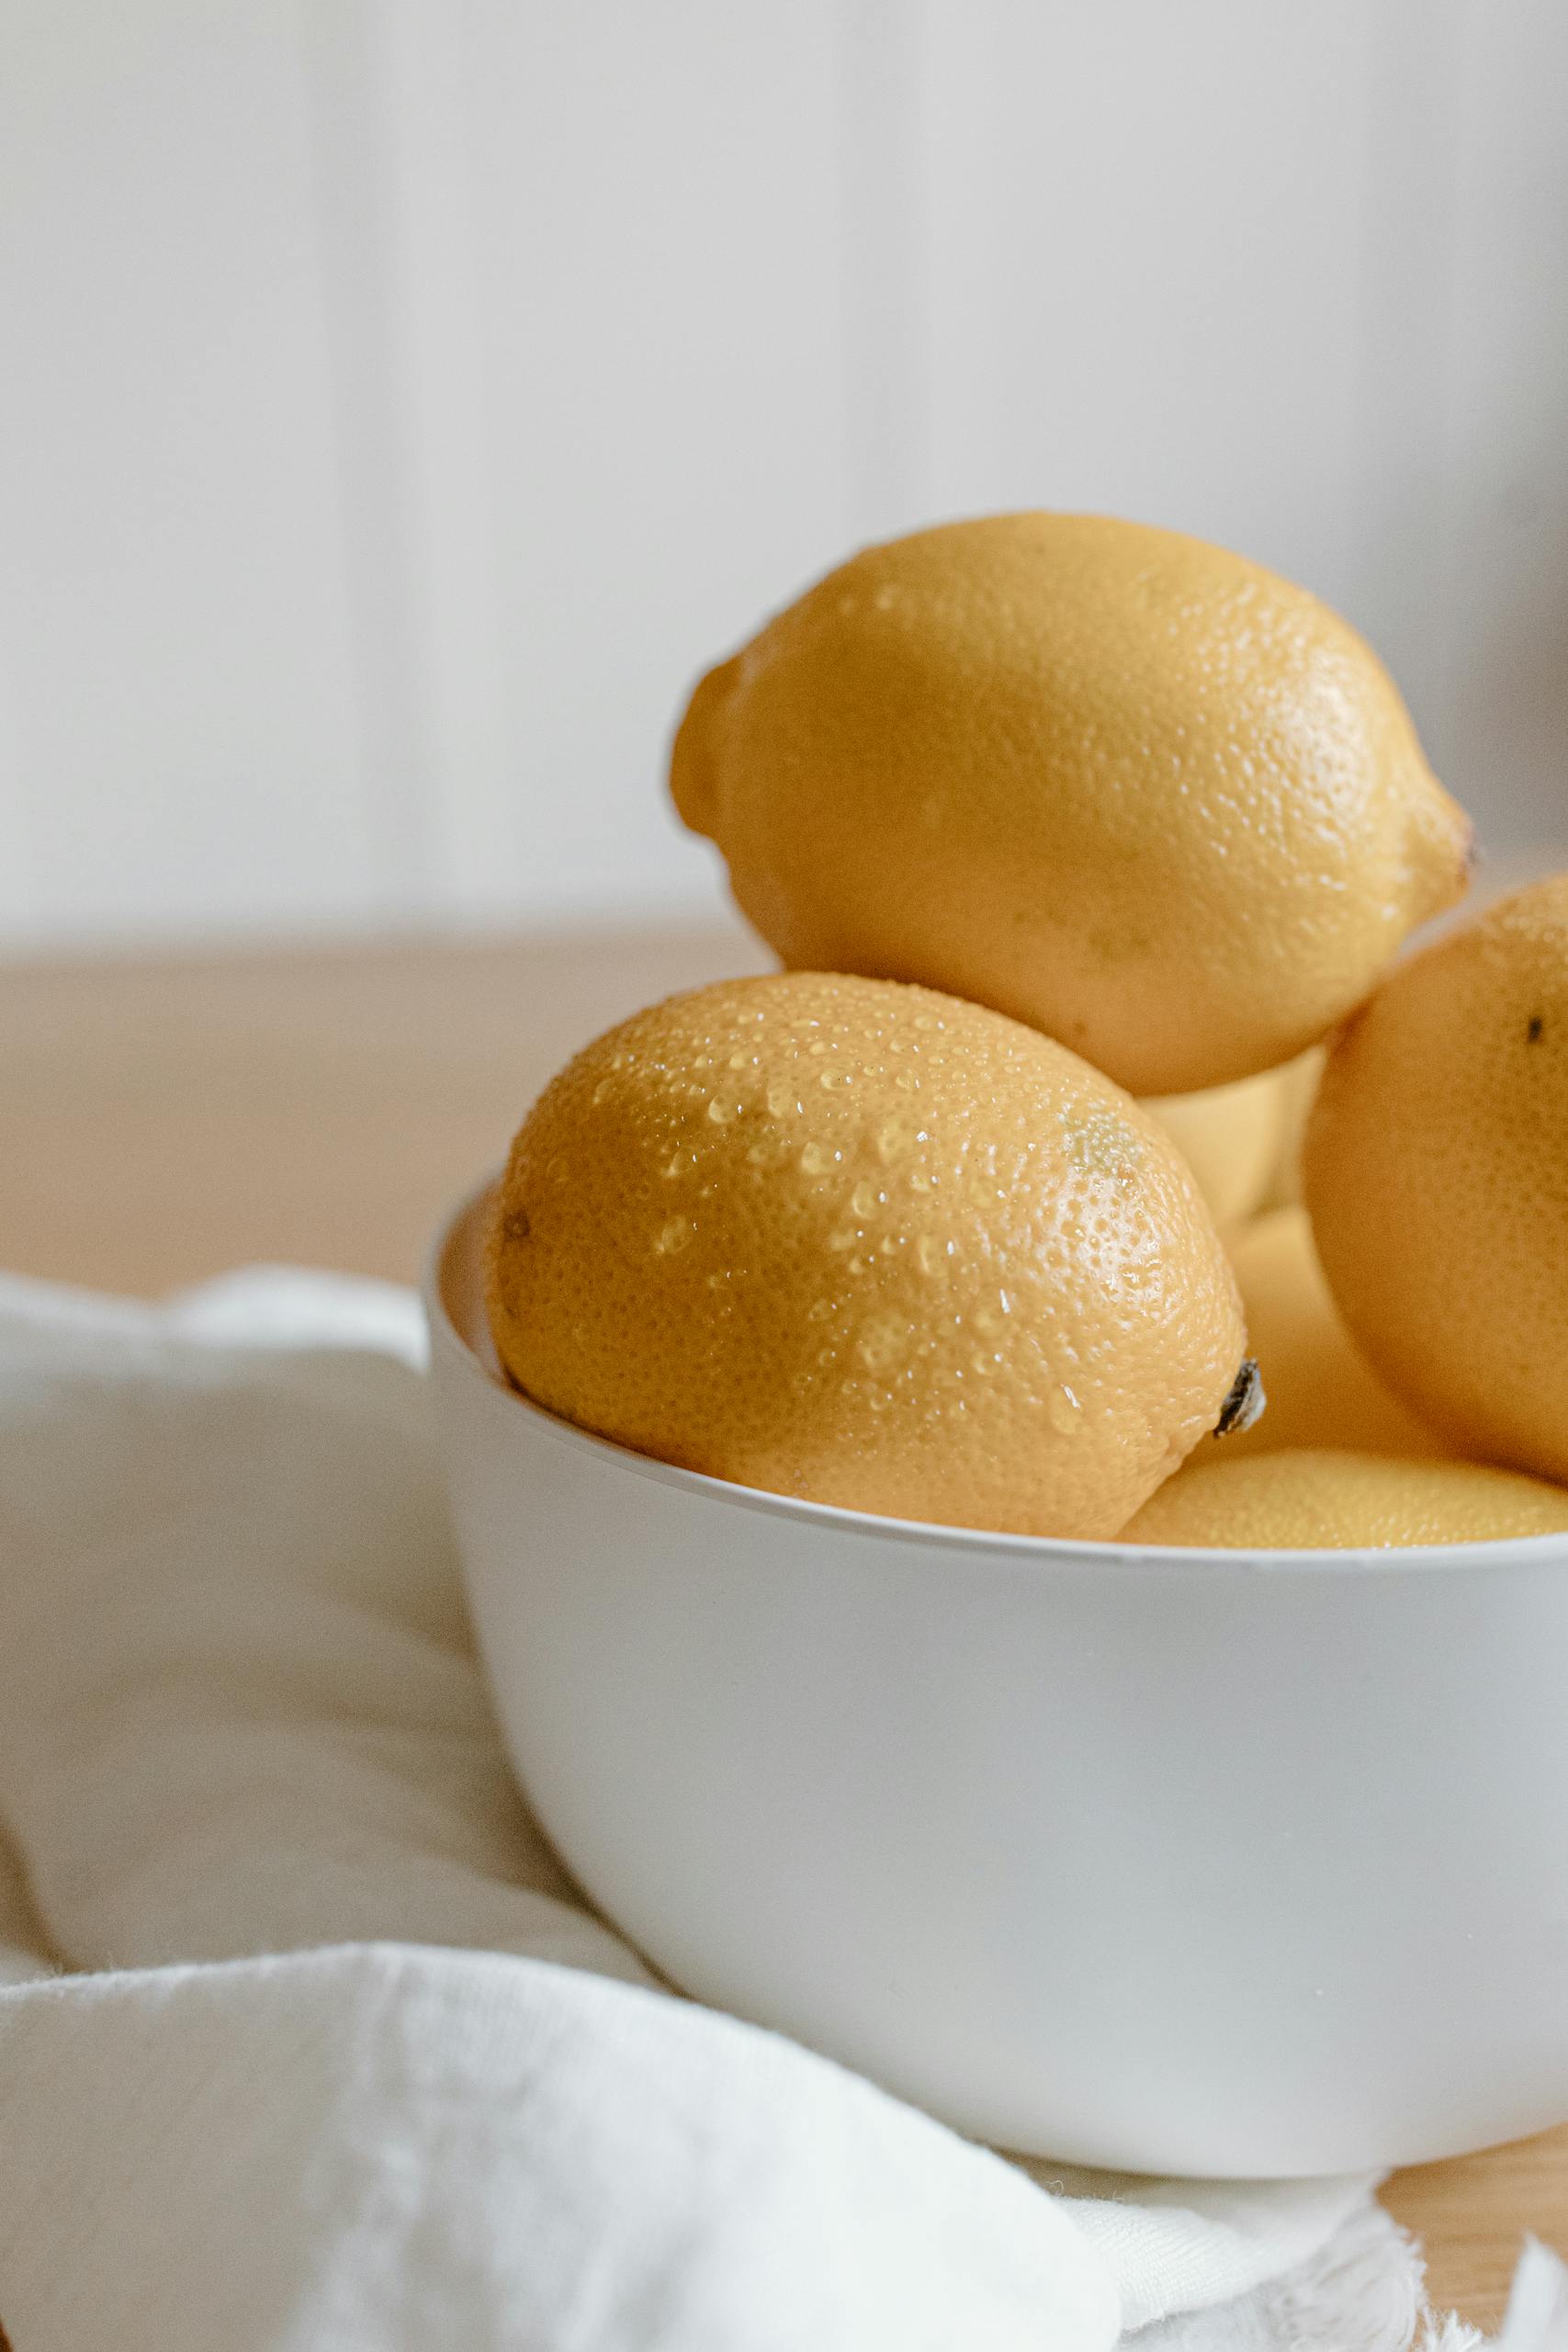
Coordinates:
column 1124, row 786
column 1310, row 1500
column 1322, row 1390
column 1229, row 1136
column 863, row 1243
column 1297, row 1085
column 1437, row 1175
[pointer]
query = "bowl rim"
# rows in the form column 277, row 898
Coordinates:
column 1488, row 1555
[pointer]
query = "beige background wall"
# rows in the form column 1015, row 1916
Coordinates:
column 400, row 398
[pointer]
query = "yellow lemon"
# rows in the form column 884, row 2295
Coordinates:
column 1120, row 784
column 1229, row 1136
column 864, row 1243
column 1298, row 1086
column 1310, row 1501
column 1322, row 1390
column 1437, row 1175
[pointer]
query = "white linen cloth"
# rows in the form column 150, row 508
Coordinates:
column 307, row 2041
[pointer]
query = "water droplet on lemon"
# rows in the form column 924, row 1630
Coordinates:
column 1065, row 1412
column 884, row 1339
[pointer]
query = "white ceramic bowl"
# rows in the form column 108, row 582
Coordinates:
column 1198, row 1862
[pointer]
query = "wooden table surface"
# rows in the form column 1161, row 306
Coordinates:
column 161, row 1120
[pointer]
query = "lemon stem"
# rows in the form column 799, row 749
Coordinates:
column 1246, row 1401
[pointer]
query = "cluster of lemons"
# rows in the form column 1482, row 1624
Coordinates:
column 1087, row 848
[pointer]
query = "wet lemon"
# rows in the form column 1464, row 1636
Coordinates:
column 1229, row 1136
column 1297, row 1084
column 1127, row 786
column 1322, row 1390
column 1310, row 1501
column 870, row 1245
column 1436, row 1168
